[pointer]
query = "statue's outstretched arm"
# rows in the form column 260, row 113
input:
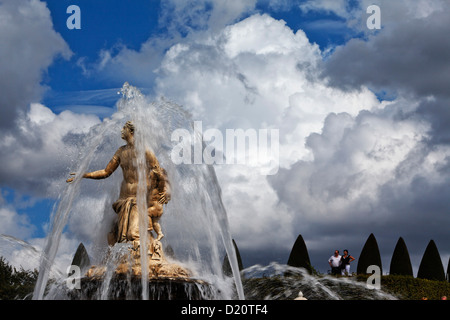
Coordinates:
column 101, row 174
column 104, row 173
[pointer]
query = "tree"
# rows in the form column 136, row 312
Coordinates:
column 431, row 267
column 299, row 256
column 370, row 255
column 226, row 267
column 401, row 262
column 15, row 284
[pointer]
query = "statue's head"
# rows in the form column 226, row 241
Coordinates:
column 128, row 130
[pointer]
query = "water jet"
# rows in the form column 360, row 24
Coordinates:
column 134, row 264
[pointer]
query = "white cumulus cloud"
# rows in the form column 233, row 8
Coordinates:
column 29, row 44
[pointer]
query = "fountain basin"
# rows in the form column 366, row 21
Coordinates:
column 129, row 287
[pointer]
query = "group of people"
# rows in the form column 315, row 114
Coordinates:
column 340, row 264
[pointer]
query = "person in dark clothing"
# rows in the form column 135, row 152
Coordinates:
column 345, row 263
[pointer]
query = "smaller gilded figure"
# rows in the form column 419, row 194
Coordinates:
column 157, row 250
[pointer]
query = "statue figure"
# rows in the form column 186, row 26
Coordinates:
column 158, row 191
column 157, row 251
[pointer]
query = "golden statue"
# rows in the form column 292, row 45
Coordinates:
column 158, row 190
column 126, row 230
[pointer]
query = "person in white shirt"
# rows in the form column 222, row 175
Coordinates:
column 335, row 262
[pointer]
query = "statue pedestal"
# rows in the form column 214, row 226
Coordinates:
column 166, row 280
column 156, row 269
column 131, row 263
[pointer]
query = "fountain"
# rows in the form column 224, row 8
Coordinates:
column 165, row 236
column 134, row 264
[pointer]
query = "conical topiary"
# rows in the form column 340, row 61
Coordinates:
column 226, row 267
column 431, row 267
column 370, row 255
column 448, row 270
column 401, row 263
column 81, row 258
column 299, row 256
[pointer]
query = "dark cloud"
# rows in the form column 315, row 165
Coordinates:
column 408, row 59
column 409, row 55
column 41, row 150
column 373, row 173
column 437, row 112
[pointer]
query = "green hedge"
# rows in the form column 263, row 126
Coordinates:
column 409, row 288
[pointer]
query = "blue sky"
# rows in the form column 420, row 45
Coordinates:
column 118, row 24
column 362, row 114
column 104, row 25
